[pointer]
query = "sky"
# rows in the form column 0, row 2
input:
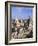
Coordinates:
column 21, row 12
